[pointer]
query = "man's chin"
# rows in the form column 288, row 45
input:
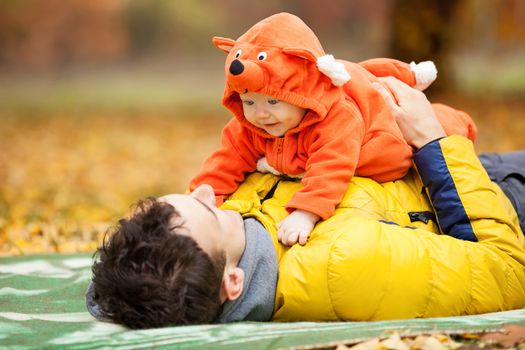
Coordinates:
column 236, row 216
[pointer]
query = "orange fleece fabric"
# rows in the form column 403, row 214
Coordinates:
column 347, row 129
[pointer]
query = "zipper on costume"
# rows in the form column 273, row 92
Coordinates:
column 280, row 146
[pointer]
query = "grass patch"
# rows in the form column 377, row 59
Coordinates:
column 112, row 91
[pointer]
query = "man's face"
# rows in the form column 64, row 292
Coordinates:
column 274, row 116
column 213, row 229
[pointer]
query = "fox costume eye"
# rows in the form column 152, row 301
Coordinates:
column 238, row 53
column 262, row 55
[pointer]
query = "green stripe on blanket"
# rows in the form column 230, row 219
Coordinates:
column 42, row 306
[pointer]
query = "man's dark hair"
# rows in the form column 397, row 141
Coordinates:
column 149, row 276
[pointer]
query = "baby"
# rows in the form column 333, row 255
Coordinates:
column 301, row 113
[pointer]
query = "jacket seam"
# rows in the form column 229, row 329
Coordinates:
column 471, row 282
column 432, row 286
column 389, row 283
column 508, row 273
column 327, row 277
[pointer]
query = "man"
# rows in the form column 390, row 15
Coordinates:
column 180, row 260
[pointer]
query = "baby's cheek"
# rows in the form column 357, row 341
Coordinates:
column 248, row 116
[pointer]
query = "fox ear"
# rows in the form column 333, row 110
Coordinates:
column 303, row 53
column 326, row 64
column 224, row 44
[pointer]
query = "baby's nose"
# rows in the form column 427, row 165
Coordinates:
column 262, row 113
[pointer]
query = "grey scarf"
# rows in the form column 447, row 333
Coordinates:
column 259, row 263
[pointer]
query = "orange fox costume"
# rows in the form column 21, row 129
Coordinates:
column 348, row 128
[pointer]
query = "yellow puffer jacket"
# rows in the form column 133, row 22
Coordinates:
column 371, row 262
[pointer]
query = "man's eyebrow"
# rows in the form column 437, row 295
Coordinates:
column 207, row 208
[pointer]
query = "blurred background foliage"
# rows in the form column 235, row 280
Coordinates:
column 104, row 102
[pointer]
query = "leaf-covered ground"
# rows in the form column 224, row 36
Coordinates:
column 508, row 337
column 65, row 178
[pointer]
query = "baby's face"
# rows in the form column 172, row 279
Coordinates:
column 274, row 116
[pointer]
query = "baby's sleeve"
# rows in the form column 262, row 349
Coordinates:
column 333, row 153
column 225, row 168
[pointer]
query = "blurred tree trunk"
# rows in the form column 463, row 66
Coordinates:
column 421, row 30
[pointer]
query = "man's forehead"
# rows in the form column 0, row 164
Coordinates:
column 178, row 200
column 186, row 204
column 168, row 198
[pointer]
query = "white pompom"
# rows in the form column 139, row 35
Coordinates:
column 334, row 70
column 264, row 167
column 426, row 73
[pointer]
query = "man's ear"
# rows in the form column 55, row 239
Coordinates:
column 224, row 44
column 232, row 283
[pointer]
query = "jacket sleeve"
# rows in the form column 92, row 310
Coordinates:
column 467, row 204
column 333, row 154
column 227, row 166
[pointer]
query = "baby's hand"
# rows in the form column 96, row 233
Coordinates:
column 296, row 227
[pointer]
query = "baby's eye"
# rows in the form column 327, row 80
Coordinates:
column 273, row 102
column 247, row 102
column 238, row 53
column 261, row 56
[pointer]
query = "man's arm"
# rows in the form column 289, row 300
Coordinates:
column 467, row 207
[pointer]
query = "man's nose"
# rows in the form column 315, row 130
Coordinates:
column 205, row 193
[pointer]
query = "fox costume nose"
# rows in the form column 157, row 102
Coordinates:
column 236, row 67
column 245, row 76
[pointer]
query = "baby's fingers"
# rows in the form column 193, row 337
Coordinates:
column 303, row 238
column 290, row 238
column 279, row 232
column 283, row 232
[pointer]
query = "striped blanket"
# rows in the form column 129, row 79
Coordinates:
column 42, row 306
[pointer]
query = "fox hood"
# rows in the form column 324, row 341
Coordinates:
column 281, row 56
